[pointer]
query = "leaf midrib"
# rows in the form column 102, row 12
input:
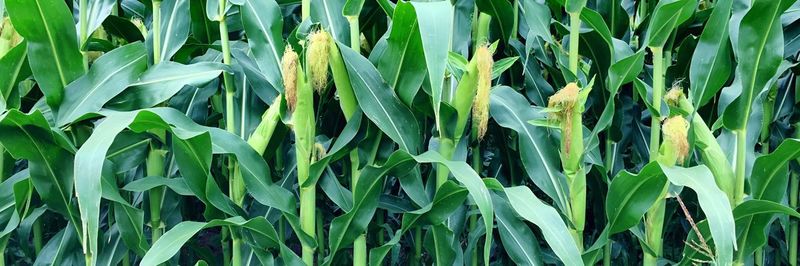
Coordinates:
column 49, row 167
column 389, row 117
column 757, row 62
column 168, row 30
column 171, row 78
column 550, row 174
column 51, row 43
column 98, row 85
column 516, row 240
column 266, row 34
column 403, row 57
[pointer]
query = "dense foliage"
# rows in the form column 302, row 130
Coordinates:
column 335, row 132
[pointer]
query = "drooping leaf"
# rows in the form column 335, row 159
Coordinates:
column 162, row 81
column 518, row 240
column 194, row 160
column 96, row 12
column 28, row 136
column 538, row 154
column 631, row 195
column 380, row 104
column 760, row 41
column 711, row 62
column 548, row 220
column 404, row 42
column 329, row 14
column 175, row 26
column 53, row 51
column 714, row 203
column 109, row 76
column 173, row 240
column 435, row 21
column 130, row 222
column 263, row 23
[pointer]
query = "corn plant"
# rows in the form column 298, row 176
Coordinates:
column 451, row 132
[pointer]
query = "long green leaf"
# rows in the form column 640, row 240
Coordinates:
column 52, row 44
column 173, row 240
column 769, row 177
column 175, row 26
column 28, row 136
column 96, row 12
column 162, row 81
column 380, row 104
column 711, row 62
column 13, row 67
column 194, row 160
column 631, row 195
column 263, row 23
column 666, row 16
column 329, row 14
column 517, row 238
column 502, row 13
column 436, row 30
column 109, row 76
column 538, row 154
column 404, row 42
column 529, row 207
column 760, row 42
column 715, row 205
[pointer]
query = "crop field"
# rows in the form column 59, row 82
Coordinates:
column 394, row 132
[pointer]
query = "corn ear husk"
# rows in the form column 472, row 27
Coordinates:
column 289, row 69
column 480, row 108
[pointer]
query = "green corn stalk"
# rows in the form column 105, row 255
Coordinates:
column 574, row 38
column 794, row 186
column 768, row 110
column 349, row 105
column 654, row 223
column 3, row 244
column 84, row 25
column 236, row 187
column 155, row 157
column 567, row 107
column 304, row 145
column 155, row 167
column 474, row 88
column 572, row 129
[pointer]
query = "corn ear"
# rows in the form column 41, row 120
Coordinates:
column 480, row 108
column 344, row 90
column 289, row 69
column 317, row 57
column 710, row 151
column 675, row 147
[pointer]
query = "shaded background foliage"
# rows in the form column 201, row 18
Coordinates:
column 158, row 131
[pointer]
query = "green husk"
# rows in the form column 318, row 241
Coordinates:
column 567, row 111
column 304, row 128
column 709, row 149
